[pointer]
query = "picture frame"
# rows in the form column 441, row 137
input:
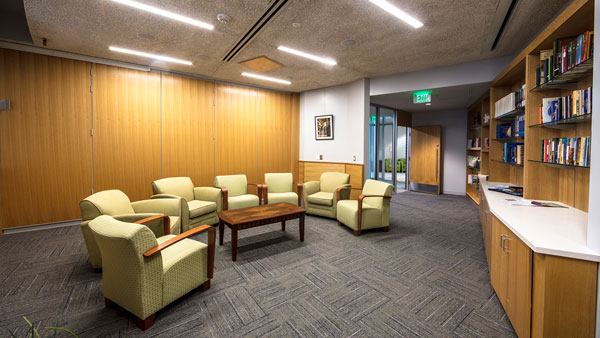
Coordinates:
column 324, row 127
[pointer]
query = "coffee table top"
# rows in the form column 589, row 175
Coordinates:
column 258, row 213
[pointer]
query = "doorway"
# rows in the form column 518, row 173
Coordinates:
column 388, row 148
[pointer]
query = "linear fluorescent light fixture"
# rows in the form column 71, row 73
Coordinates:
column 326, row 61
column 397, row 12
column 164, row 13
column 148, row 55
column 266, row 78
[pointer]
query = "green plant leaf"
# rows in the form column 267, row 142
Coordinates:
column 12, row 334
column 33, row 330
column 62, row 329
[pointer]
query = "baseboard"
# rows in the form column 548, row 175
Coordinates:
column 36, row 227
column 457, row 193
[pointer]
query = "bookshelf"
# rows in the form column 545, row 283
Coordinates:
column 566, row 183
column 477, row 128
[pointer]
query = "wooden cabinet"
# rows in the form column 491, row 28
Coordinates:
column 510, row 274
column 486, row 225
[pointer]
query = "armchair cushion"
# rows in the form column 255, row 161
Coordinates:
column 209, row 194
column 279, row 182
column 289, row 197
column 347, row 213
column 199, row 208
column 322, row 198
column 178, row 186
column 373, row 187
column 107, row 202
column 236, row 184
column 331, row 181
column 243, row 201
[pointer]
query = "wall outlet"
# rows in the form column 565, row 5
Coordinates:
column 321, row 157
column 4, row 104
column 354, row 158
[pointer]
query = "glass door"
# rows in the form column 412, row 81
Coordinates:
column 401, row 157
column 386, row 147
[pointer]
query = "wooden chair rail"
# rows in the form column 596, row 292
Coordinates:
column 360, row 203
column 166, row 222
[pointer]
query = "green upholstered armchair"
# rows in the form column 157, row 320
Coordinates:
column 115, row 203
column 280, row 188
column 142, row 273
column 321, row 197
column 202, row 202
column 234, row 189
column 372, row 210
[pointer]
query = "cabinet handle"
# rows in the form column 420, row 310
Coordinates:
column 503, row 248
column 502, row 241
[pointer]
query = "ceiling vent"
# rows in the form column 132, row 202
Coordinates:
column 499, row 22
column 271, row 12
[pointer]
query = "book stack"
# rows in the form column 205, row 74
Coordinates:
column 474, row 143
column 519, row 125
column 560, row 108
column 511, row 102
column 566, row 54
column 570, row 151
column 514, row 153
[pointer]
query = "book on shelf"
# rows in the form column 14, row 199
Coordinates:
column 486, row 143
column 519, row 125
column 486, row 118
column 514, row 153
column 503, row 130
column 567, row 150
column 566, row 107
column 473, row 162
column 567, row 53
column 511, row 102
column 474, row 142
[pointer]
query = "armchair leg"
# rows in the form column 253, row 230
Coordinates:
column 205, row 286
column 143, row 324
column 282, row 225
column 356, row 232
column 386, row 229
column 340, row 223
column 108, row 304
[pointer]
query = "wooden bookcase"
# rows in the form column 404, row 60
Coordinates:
column 476, row 128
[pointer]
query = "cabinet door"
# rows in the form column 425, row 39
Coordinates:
column 487, row 233
column 498, row 268
column 518, row 291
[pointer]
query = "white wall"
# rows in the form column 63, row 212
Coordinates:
column 454, row 150
column 349, row 106
column 448, row 76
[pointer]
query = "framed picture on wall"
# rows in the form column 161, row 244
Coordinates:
column 324, row 127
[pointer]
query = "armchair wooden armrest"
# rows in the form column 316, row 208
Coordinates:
column 264, row 196
column 259, row 190
column 166, row 222
column 339, row 192
column 299, row 187
column 212, row 235
column 360, row 203
column 225, row 197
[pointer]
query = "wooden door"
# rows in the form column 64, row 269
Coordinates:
column 425, row 155
column 498, row 268
column 518, row 295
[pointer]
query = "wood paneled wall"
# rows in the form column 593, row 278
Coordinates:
column 201, row 129
column 45, row 150
column 311, row 171
column 126, row 130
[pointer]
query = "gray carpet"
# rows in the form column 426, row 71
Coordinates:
column 427, row 277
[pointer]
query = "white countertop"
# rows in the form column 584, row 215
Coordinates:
column 551, row 231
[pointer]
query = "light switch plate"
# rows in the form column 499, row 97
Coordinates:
column 4, row 104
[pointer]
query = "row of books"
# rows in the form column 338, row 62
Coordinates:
column 571, row 151
column 514, row 153
column 474, row 143
column 513, row 129
column 567, row 53
column 511, row 102
column 560, row 108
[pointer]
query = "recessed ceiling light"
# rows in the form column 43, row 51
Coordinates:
column 326, row 61
column 348, row 42
column 400, row 14
column 164, row 13
column 261, row 77
column 148, row 55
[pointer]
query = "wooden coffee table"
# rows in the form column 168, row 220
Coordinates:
column 251, row 217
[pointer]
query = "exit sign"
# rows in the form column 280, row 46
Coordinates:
column 422, row 97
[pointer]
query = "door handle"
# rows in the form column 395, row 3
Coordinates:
column 503, row 248
column 502, row 241
column 437, row 149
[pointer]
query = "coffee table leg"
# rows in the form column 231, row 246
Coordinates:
column 282, row 225
column 234, row 240
column 302, row 228
column 221, row 231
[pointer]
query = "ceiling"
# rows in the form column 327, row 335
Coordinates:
column 454, row 31
column 446, row 99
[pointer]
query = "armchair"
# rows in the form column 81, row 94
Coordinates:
column 234, row 190
column 202, row 203
column 142, row 273
column 280, row 188
column 115, row 203
column 321, row 197
column 372, row 210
